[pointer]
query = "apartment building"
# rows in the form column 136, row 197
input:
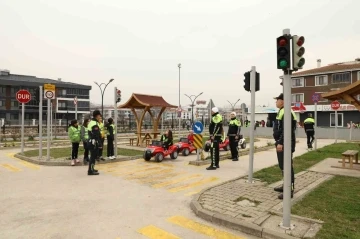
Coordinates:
column 320, row 80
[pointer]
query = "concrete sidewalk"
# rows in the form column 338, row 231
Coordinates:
column 252, row 208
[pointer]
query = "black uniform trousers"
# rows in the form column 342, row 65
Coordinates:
column 110, row 146
column 233, row 147
column 214, row 152
column 74, row 150
column 310, row 138
column 280, row 157
column 93, row 155
column 86, row 151
column 100, row 152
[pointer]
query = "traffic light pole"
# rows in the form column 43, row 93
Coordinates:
column 115, row 123
column 252, row 121
column 48, row 129
column 287, row 146
column 40, row 120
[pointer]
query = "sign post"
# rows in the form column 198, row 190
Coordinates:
column 198, row 129
column 315, row 98
column 40, row 120
column 23, row 97
column 335, row 105
column 49, row 94
column 115, row 121
column 252, row 122
column 75, row 103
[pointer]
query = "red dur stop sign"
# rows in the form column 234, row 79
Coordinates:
column 23, row 96
column 335, row 105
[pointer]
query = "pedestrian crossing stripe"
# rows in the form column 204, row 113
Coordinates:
column 159, row 177
column 148, row 173
column 194, row 184
column 154, row 232
column 175, row 181
column 10, row 168
column 202, row 228
column 198, row 141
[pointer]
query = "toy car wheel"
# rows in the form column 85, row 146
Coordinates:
column 159, row 157
column 174, row 155
column 147, row 156
column 243, row 145
column 186, row 152
column 227, row 147
column 207, row 147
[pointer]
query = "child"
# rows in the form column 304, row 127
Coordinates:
column 167, row 139
column 84, row 135
column 74, row 135
column 110, row 138
column 191, row 137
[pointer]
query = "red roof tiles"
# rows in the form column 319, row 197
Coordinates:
column 329, row 68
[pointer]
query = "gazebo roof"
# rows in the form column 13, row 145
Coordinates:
column 347, row 93
column 140, row 101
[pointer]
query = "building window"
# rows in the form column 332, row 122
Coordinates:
column 358, row 75
column 298, row 82
column 321, row 80
column 297, row 98
column 340, row 119
column 2, row 103
column 14, row 104
column 341, row 78
column 2, row 90
column 14, row 116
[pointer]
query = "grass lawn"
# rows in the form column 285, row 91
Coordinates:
column 336, row 202
column 66, row 152
column 305, row 161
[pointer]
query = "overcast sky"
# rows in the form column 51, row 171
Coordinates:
column 139, row 43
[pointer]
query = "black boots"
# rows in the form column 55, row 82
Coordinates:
column 281, row 195
column 279, row 189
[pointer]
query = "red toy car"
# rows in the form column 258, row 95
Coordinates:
column 157, row 151
column 223, row 145
column 185, row 147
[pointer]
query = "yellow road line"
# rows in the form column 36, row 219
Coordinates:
column 11, row 168
column 202, row 228
column 192, row 193
column 30, row 165
column 192, row 185
column 175, row 181
column 138, row 170
column 156, row 233
column 160, row 177
column 151, row 172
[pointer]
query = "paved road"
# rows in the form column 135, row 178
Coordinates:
column 134, row 199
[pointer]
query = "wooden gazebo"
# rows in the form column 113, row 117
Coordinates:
column 146, row 102
column 348, row 93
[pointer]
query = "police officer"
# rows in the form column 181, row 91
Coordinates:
column 309, row 123
column 278, row 134
column 215, row 130
column 233, row 134
column 94, row 141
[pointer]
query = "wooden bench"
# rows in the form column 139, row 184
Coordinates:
column 132, row 141
column 351, row 155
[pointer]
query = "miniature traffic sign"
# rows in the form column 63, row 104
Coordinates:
column 198, row 127
column 315, row 97
column 23, row 96
column 335, row 105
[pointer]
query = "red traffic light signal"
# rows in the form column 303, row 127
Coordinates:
column 118, row 92
column 283, row 52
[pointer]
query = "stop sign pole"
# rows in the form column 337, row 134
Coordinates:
column 335, row 105
column 23, row 97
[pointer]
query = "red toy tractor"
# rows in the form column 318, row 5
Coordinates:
column 157, row 151
column 223, row 145
column 185, row 147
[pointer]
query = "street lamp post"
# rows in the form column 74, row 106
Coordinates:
column 179, row 112
column 233, row 105
column 192, row 105
column 102, row 94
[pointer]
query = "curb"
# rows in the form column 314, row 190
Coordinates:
column 234, row 223
column 67, row 162
column 224, row 156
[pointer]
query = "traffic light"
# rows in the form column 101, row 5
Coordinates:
column 283, row 52
column 298, row 51
column 37, row 95
column 247, row 81
column 118, row 96
column 257, row 82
